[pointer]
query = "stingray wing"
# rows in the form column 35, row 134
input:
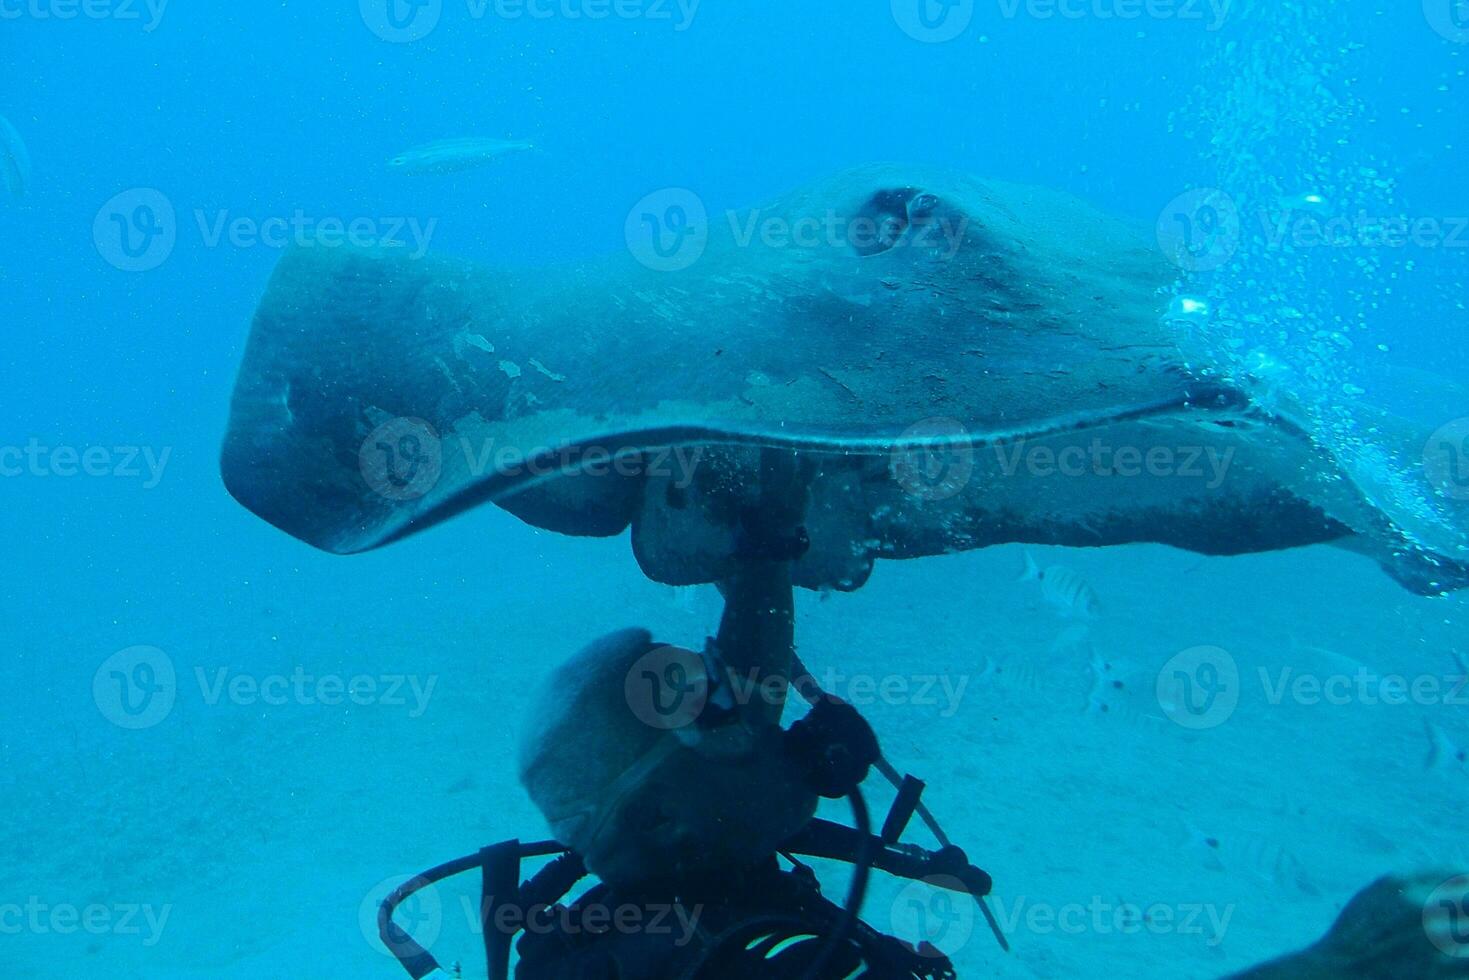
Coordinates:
column 906, row 332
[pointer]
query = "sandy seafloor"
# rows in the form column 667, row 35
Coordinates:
column 264, row 831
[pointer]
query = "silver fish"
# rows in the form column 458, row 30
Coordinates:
column 451, row 156
column 1063, row 588
column 1255, row 855
column 15, row 160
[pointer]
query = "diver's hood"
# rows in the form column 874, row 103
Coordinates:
column 937, row 347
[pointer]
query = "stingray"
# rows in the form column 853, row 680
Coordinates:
column 953, row 363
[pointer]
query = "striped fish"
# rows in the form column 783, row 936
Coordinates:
column 15, row 160
column 451, row 156
column 1252, row 855
column 1063, row 588
column 1016, row 674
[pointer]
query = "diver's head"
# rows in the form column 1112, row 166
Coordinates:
column 643, row 764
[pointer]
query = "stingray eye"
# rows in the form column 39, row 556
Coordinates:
column 922, row 206
column 881, row 222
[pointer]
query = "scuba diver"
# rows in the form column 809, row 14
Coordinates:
column 696, row 813
column 666, row 773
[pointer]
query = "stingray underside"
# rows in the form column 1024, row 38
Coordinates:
column 955, row 363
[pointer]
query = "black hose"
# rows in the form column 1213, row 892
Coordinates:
column 857, row 894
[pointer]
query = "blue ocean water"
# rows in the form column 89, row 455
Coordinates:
column 245, row 831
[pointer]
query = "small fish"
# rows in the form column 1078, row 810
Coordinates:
column 452, row 156
column 15, row 160
column 1333, row 660
column 1307, row 201
column 1253, row 855
column 1063, row 588
column 1018, row 676
column 1443, row 752
column 1109, row 689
